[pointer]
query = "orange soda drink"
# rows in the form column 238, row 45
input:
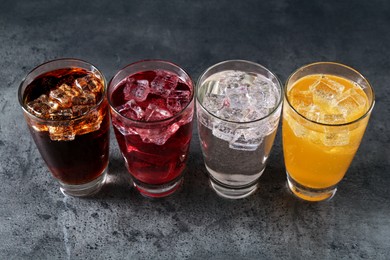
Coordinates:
column 326, row 111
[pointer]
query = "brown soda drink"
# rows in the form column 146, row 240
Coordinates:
column 68, row 118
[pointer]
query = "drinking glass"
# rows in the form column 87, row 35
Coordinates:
column 64, row 104
column 152, row 110
column 238, row 109
column 326, row 110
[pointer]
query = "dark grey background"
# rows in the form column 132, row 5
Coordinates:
column 38, row 222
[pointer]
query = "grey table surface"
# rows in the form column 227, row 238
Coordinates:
column 38, row 222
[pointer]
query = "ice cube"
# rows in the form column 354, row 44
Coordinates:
column 300, row 98
column 351, row 102
column 298, row 129
column 177, row 100
column 136, row 89
column 249, row 79
column 334, row 119
column 336, row 136
column 157, row 136
column 263, row 94
column 213, row 87
column 337, row 87
column 255, row 112
column 224, row 130
column 122, row 127
column 233, row 114
column 39, row 107
column 311, row 112
column 91, row 83
column 163, row 83
column 131, row 110
column 246, row 139
column 156, row 113
column 324, row 92
column 214, row 102
column 62, row 114
column 264, row 100
column 78, row 110
column 63, row 95
column 204, row 118
column 85, row 98
column 88, row 124
column 238, row 98
column 61, row 133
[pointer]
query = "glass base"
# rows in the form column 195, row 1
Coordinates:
column 83, row 190
column 158, row 191
column 310, row 194
column 233, row 192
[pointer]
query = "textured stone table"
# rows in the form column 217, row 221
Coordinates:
column 38, row 222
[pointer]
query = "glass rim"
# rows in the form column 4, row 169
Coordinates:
column 20, row 95
column 336, row 64
column 273, row 111
column 160, row 61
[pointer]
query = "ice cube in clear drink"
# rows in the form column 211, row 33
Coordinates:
column 224, row 130
column 214, row 102
column 246, row 139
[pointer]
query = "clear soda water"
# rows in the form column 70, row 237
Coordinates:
column 238, row 115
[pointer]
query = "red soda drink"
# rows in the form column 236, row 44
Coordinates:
column 152, row 111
